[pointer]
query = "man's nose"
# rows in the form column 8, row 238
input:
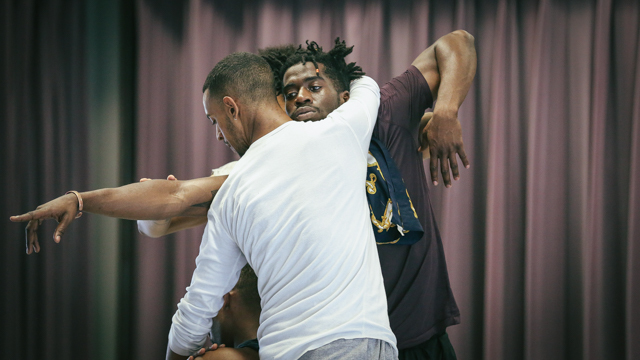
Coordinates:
column 304, row 96
column 219, row 133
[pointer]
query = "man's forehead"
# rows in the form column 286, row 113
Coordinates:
column 301, row 71
column 205, row 98
column 209, row 103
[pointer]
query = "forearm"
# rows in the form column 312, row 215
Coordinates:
column 153, row 200
column 455, row 55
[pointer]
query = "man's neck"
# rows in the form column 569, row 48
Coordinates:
column 265, row 119
column 244, row 333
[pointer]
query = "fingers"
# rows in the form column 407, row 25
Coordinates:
column 198, row 354
column 463, row 157
column 433, row 167
column 453, row 162
column 444, row 169
column 63, row 222
column 170, row 177
column 24, row 217
column 31, row 235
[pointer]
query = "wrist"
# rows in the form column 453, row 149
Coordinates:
column 445, row 111
column 79, row 201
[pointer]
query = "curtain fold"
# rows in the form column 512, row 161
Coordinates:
column 45, row 306
column 541, row 234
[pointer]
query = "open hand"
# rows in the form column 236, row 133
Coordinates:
column 63, row 209
column 442, row 134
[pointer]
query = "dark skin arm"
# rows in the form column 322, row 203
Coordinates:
column 449, row 66
column 150, row 200
column 156, row 229
column 216, row 352
column 229, row 354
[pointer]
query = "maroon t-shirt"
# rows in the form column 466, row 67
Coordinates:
column 416, row 280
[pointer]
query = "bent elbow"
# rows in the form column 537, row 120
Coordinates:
column 464, row 36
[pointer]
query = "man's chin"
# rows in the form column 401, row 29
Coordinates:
column 309, row 116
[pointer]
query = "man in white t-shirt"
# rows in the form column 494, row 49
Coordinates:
column 294, row 209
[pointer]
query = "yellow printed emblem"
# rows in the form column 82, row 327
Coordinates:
column 385, row 222
column 371, row 161
column 371, row 185
column 411, row 203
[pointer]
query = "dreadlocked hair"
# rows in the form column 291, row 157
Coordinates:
column 335, row 67
column 276, row 56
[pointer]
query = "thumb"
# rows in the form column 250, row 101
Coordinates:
column 62, row 227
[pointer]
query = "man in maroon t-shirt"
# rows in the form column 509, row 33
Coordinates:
column 420, row 300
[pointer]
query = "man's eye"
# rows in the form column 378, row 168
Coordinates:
column 290, row 95
column 315, row 88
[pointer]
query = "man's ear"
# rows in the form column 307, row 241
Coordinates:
column 227, row 301
column 230, row 107
column 344, row 97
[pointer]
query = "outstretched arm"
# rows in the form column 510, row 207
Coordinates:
column 158, row 228
column 449, row 66
column 149, row 200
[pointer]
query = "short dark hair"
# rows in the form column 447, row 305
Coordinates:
column 247, row 288
column 279, row 51
column 242, row 75
column 336, row 68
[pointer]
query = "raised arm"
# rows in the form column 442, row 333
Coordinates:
column 449, row 66
column 149, row 200
column 360, row 111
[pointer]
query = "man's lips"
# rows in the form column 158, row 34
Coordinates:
column 304, row 110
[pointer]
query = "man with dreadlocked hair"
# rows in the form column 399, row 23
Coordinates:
column 314, row 83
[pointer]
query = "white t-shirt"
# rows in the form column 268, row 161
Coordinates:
column 295, row 208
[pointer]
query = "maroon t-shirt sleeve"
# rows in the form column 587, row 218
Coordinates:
column 403, row 101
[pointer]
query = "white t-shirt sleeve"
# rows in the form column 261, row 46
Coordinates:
column 217, row 271
column 224, row 169
column 361, row 110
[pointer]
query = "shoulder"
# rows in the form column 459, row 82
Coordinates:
column 404, row 99
column 410, row 83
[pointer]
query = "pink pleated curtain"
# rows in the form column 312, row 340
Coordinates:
column 541, row 235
